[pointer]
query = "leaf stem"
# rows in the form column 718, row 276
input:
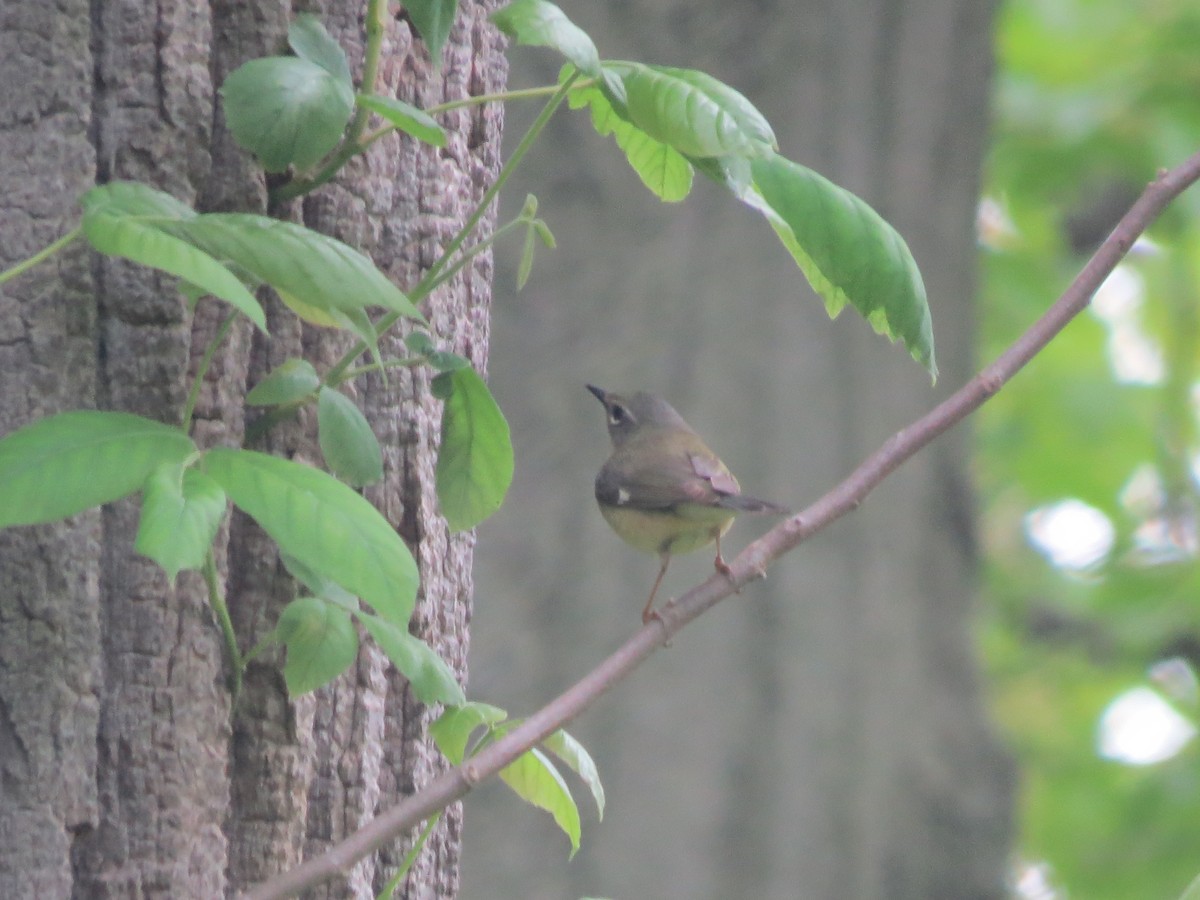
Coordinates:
column 431, row 279
column 209, row 352
column 545, row 90
column 41, row 256
column 217, row 602
column 477, row 100
column 424, row 286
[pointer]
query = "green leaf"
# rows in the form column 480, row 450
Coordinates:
column 537, row 23
column 286, row 110
column 848, row 253
column 292, row 380
column 181, row 511
column 1193, row 890
column 321, row 643
column 661, row 168
column 347, row 441
column 431, row 679
column 119, row 219
column 309, row 40
column 452, row 731
column 536, row 781
column 579, row 761
column 319, row 585
column 421, row 344
column 433, row 19
column 475, row 463
column 64, row 464
column 526, row 264
column 405, row 117
column 445, row 361
column 311, row 267
column 688, row 110
column 324, row 524
column 546, row 234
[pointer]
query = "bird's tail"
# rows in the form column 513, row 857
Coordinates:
column 742, row 503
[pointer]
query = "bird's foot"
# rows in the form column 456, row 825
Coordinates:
column 654, row 615
column 723, row 567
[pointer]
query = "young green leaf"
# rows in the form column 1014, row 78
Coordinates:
column 405, row 117
column 661, row 168
column 538, row 23
column 119, row 220
column 475, row 463
column 579, row 761
column 445, row 361
column 313, row 268
column 536, row 781
column 433, row 19
column 421, row 344
column 452, row 731
column 321, row 643
column 286, row 110
column 432, row 681
column 293, row 379
column 525, row 266
column 347, row 442
column 181, row 511
column 544, row 232
column 309, row 40
column 688, row 110
column 848, row 253
column 64, row 464
column 317, row 519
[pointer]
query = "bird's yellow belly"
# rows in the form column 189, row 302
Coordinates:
column 680, row 531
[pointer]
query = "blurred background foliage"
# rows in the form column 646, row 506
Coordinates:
column 1088, row 462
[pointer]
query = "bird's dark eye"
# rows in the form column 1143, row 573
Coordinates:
column 618, row 414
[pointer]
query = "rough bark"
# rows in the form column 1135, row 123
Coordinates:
column 824, row 735
column 120, row 774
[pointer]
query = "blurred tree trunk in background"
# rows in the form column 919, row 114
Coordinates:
column 119, row 774
column 824, row 735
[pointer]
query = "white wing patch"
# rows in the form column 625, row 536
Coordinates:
column 622, row 496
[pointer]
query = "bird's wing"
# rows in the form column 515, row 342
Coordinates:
column 684, row 475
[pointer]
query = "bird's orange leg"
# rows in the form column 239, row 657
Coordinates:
column 723, row 567
column 648, row 613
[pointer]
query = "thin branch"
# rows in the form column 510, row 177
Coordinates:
column 751, row 563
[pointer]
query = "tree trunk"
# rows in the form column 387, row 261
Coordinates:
column 824, row 734
column 120, row 772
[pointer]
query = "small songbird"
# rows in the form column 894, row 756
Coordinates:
column 662, row 490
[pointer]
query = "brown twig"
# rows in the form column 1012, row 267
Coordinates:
column 749, row 564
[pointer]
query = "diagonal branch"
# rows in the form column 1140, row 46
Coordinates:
column 752, row 562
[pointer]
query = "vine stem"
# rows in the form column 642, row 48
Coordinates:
column 217, row 602
column 42, row 255
column 209, row 352
column 410, row 858
column 751, row 563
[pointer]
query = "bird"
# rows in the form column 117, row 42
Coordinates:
column 662, row 490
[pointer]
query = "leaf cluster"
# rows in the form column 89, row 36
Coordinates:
column 302, row 117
